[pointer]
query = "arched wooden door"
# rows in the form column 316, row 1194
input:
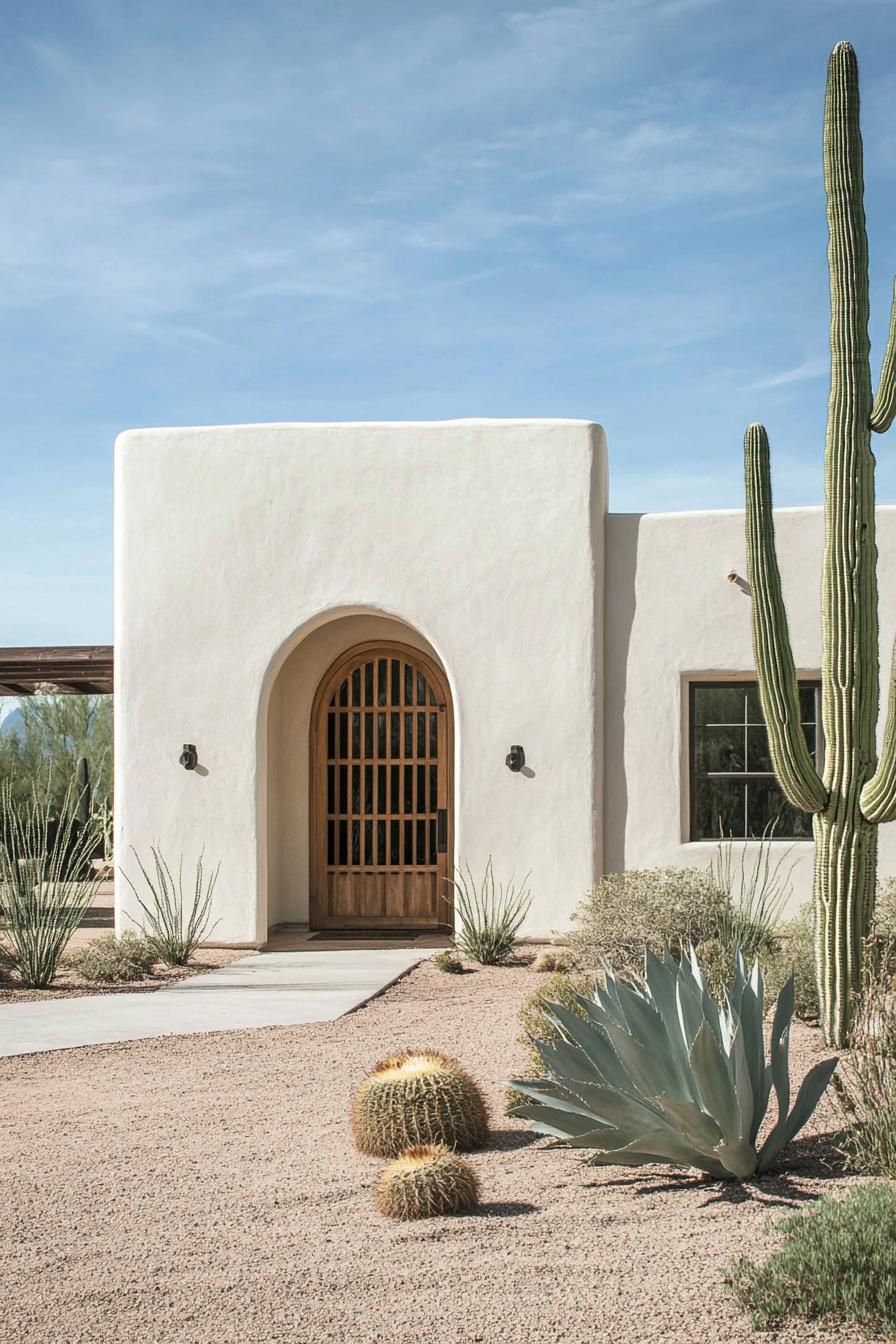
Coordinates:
column 381, row 792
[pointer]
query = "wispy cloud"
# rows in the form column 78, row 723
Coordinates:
column 812, row 368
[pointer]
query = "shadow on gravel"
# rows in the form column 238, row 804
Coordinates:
column 507, row 1140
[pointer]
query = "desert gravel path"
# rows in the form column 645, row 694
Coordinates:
column 204, row 1190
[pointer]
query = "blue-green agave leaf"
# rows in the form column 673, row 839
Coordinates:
column 808, row 1097
column 716, row 1089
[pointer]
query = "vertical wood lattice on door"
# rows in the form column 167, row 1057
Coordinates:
column 381, row 745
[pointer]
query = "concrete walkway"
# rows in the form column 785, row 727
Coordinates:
column 265, row 989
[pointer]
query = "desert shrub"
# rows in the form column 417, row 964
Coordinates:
column 174, row 925
column 448, row 961
column 645, row 907
column 793, row 953
column 865, row 1083
column 489, row 915
column 565, row 988
column 837, row 1263
column 109, row 960
column 46, row 883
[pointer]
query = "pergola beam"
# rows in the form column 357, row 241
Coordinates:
column 57, row 670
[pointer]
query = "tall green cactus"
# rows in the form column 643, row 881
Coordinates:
column 855, row 792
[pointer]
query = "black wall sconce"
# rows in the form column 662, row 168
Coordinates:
column 188, row 758
column 515, row 759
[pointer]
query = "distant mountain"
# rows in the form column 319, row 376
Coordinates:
column 11, row 718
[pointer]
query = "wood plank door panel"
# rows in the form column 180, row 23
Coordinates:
column 381, row 797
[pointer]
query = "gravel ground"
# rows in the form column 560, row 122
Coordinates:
column 204, row 1190
column 68, row 985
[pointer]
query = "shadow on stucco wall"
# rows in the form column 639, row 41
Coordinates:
column 620, row 570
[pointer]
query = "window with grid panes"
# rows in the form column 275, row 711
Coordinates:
column 733, row 786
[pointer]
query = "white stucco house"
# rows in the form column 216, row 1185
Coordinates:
column 353, row 624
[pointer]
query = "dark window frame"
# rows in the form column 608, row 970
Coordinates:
column 704, row 683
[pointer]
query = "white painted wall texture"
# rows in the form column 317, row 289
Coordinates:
column 672, row 617
column 237, row 547
column 249, row 558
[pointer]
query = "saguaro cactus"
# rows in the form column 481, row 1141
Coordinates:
column 855, row 792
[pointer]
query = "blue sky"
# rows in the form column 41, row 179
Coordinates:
column 301, row 210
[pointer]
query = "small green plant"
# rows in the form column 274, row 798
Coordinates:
column 427, row 1182
column 645, row 907
column 489, row 915
column 46, row 884
column 865, row 1083
column 173, row 928
column 660, row 1072
column 109, row 960
column 417, row 1097
column 449, row 962
column 837, row 1263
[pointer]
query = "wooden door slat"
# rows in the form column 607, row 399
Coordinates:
column 386, row 710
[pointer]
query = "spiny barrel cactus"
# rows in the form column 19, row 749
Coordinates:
column 856, row 791
column 660, row 1073
column 427, row 1182
column 416, row 1098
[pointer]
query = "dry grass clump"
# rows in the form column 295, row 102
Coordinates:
column 865, row 1082
column 426, row 1182
column 416, row 1098
column 555, row 959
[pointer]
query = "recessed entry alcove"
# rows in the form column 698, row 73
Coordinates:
column 360, row 808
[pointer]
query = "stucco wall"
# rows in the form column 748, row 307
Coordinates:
column 672, row 616
column 233, row 544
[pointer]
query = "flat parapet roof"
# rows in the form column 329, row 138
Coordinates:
column 85, row 669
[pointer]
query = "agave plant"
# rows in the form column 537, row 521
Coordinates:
column 660, row 1072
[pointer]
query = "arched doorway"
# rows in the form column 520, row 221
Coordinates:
column 381, row 792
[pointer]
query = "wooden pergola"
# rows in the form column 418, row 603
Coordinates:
column 65, row 670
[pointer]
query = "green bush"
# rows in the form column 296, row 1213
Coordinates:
column 837, row 1263
column 109, row 960
column 794, row 951
column 645, row 907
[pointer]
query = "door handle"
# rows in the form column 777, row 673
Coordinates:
column 442, row 830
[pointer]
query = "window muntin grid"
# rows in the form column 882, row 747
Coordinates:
column 733, row 789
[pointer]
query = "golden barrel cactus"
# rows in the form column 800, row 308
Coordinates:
column 416, row 1098
column 427, row 1182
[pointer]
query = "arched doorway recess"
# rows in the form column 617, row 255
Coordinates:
column 381, row 795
